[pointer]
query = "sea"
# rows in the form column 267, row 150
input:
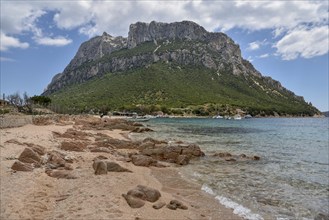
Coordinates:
column 291, row 179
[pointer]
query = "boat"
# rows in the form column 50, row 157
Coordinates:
column 218, row 117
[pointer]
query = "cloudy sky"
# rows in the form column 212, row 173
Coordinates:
column 287, row 40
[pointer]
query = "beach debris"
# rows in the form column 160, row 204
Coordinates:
column 20, row 166
column 136, row 197
column 159, row 205
column 175, row 204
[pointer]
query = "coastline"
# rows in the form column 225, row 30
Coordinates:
column 37, row 195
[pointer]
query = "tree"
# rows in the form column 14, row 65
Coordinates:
column 41, row 100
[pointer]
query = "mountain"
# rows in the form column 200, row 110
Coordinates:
column 326, row 114
column 176, row 65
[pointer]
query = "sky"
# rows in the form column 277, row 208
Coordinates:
column 286, row 40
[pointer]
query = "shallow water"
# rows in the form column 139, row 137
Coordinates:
column 289, row 182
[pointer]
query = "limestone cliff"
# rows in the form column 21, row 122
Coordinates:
column 185, row 43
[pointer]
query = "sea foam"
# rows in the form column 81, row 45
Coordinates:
column 228, row 203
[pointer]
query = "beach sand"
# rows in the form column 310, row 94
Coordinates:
column 35, row 195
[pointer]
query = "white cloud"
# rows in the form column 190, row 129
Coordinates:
column 6, row 59
column 265, row 55
column 303, row 42
column 94, row 17
column 58, row 41
column 7, row 42
column 254, row 45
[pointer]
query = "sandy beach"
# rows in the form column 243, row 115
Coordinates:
column 73, row 191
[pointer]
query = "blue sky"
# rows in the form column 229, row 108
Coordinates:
column 287, row 40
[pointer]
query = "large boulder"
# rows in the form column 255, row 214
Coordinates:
column 133, row 202
column 145, row 193
column 20, row 166
column 29, row 156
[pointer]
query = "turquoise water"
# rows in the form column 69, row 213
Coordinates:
column 289, row 182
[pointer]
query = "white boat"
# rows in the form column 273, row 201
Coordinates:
column 218, row 117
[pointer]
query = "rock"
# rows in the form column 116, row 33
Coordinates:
column 230, row 159
column 141, row 130
column 29, row 156
column 145, row 193
column 243, row 155
column 159, row 205
column 175, row 204
column 256, row 158
column 56, row 159
column 192, row 150
column 73, row 146
column 133, row 202
column 61, row 174
column 37, row 148
column 321, row 216
column 222, row 154
column 142, row 160
column 100, row 149
column 100, row 157
column 114, row 167
column 182, row 160
column 100, row 167
column 146, row 145
column 20, row 166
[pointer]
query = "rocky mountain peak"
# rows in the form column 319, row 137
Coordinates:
column 142, row 32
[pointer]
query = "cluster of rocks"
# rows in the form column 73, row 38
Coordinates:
column 56, row 164
column 232, row 158
column 137, row 197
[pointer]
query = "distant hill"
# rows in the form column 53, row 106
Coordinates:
column 176, row 66
column 326, row 113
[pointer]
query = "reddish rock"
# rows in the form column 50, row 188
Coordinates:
column 29, row 156
column 256, row 158
column 145, row 193
column 114, row 167
column 20, row 166
column 142, row 160
column 182, row 160
column 133, row 202
column 73, row 146
column 61, row 174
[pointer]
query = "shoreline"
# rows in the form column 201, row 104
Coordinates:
column 37, row 195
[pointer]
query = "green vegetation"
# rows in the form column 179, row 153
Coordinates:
column 175, row 89
column 41, row 100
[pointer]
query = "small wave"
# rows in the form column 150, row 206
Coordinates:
column 228, row 203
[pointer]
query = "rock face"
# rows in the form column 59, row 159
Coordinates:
column 98, row 55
